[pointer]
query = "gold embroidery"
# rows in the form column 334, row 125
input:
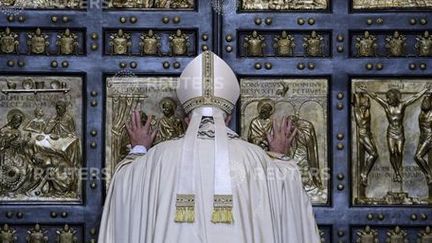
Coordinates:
column 221, row 103
column 222, row 209
column 185, row 208
column 207, row 75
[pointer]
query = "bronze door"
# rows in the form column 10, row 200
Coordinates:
column 354, row 76
column 56, row 61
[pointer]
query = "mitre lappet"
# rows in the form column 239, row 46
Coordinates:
column 207, row 88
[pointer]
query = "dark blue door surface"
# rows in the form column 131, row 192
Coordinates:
column 354, row 76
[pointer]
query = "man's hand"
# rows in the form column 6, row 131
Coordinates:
column 281, row 137
column 139, row 134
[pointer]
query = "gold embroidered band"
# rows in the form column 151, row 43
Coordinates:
column 222, row 209
column 185, row 208
column 208, row 74
column 221, row 103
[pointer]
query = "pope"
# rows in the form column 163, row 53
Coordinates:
column 208, row 185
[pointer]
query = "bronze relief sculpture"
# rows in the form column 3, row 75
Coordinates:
column 8, row 234
column 37, row 235
column 368, row 153
column 396, row 44
column 424, row 44
column 67, row 43
column 38, row 42
column 366, row 45
column 43, row 4
column 254, row 44
column 169, row 126
column 179, row 44
column 40, row 157
column 392, row 44
column 305, row 144
column 152, row 4
column 261, row 125
column 175, row 4
column 284, row 44
column 313, row 45
column 280, row 5
column 150, row 44
column 425, row 236
column 423, row 151
column 66, row 235
column 368, row 235
column 394, row 4
column 394, row 108
column 120, row 43
column 62, row 124
column 150, row 96
column 397, row 235
column 304, row 102
column 9, row 42
column 391, row 167
column 12, row 152
column 123, row 4
column 38, row 123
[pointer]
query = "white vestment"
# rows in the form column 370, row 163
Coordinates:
column 269, row 202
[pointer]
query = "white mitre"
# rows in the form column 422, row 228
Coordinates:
column 207, row 87
column 208, row 80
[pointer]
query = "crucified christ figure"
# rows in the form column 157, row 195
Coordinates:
column 394, row 108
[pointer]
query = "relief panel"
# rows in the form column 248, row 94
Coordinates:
column 151, row 4
column 391, row 234
column 284, row 43
column 391, row 44
column 41, row 233
column 15, row 5
column 284, row 5
column 40, row 138
column 305, row 101
column 152, row 96
column 391, row 4
column 391, row 141
column 39, row 41
column 148, row 42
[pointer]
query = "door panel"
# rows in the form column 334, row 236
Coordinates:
column 386, row 59
column 93, row 61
